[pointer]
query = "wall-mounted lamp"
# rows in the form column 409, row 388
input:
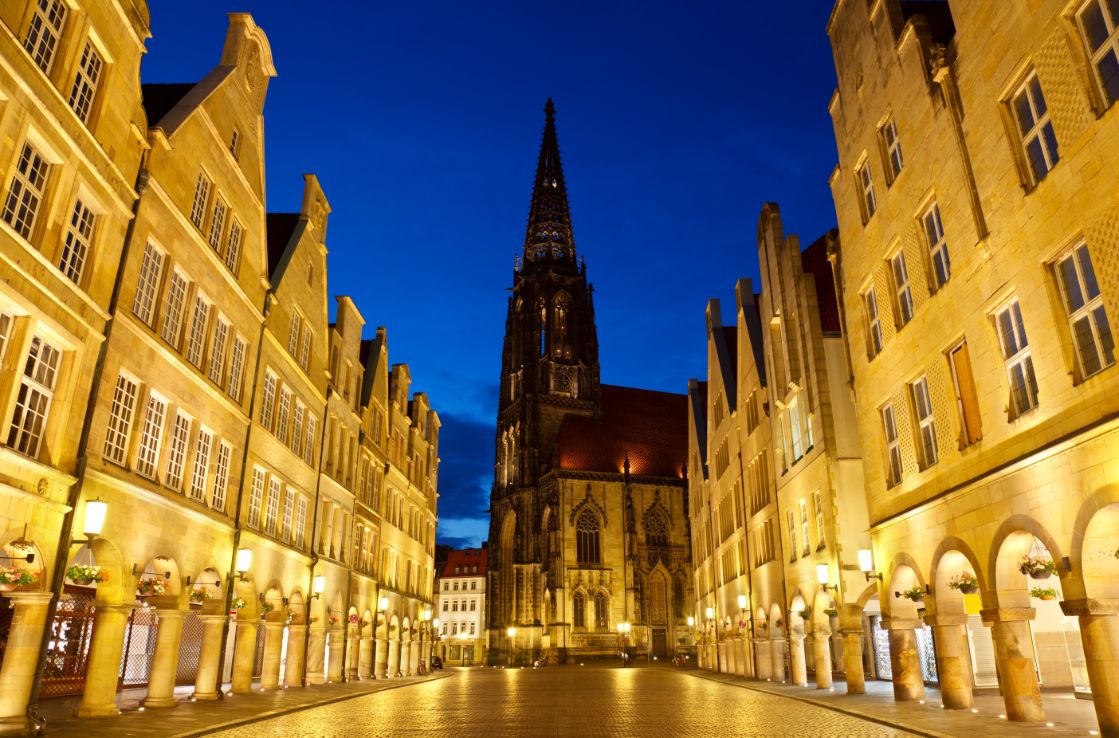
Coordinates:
column 741, row 602
column 866, row 565
column 710, row 613
column 244, row 562
column 318, row 586
column 383, row 604
column 823, row 571
column 95, row 512
column 136, row 571
column 435, row 623
column 511, row 631
column 426, row 614
column 691, row 621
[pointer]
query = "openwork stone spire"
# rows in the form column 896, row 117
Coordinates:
column 549, row 234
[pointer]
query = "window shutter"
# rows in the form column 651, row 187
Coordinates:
column 969, row 402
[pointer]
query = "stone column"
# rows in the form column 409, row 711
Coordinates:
column 103, row 666
column 952, row 668
column 777, row 657
column 1099, row 632
column 720, row 657
column 1014, row 657
column 273, row 647
column 393, row 665
column 414, row 663
column 739, row 657
column 335, row 644
column 21, row 656
column 764, row 661
column 165, row 662
column 909, row 683
column 365, row 658
column 316, row 650
column 797, row 664
column 853, row 661
column 209, row 658
column 244, row 656
column 381, row 659
column 406, row 658
column 352, row 653
column 821, row 651
column 297, row 650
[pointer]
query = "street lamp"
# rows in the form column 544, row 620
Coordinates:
column 511, row 631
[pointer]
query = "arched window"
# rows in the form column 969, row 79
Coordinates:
column 656, row 530
column 559, row 330
column 543, row 327
column 601, row 611
column 587, row 538
column 580, row 610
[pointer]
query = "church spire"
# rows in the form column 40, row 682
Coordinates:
column 549, row 218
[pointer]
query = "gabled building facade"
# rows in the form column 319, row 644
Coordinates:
column 460, row 607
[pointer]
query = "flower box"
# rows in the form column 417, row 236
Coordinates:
column 1044, row 593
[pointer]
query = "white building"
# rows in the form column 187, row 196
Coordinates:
column 460, row 603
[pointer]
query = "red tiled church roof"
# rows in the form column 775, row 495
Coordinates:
column 465, row 560
column 814, row 261
column 649, row 427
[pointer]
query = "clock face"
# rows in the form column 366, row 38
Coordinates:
column 561, row 382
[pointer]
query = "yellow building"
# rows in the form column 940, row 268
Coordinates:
column 977, row 213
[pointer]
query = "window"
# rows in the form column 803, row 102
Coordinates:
column 587, row 538
column 300, row 521
column 293, row 335
column 795, row 430
column 1099, row 22
column 46, row 28
column 791, row 519
column 1091, row 332
column 305, row 348
column 297, row 427
column 308, row 439
column 874, row 326
column 1035, row 129
column 217, row 351
column 967, row 400
column 235, row 143
column 176, row 457
column 938, row 247
column 802, row 506
column 289, row 515
column 148, row 283
column 151, row 436
column 601, row 610
column 282, row 415
column 173, row 308
column 75, row 247
column 926, row 425
column 1016, row 355
column 120, row 419
column 656, row 531
column 221, row 476
column 196, row 341
column 201, row 196
column 268, row 400
column 903, row 297
column 25, row 193
column 893, row 149
column 233, row 246
column 36, row 390
column 579, row 608
column 202, row 449
column 217, row 224
column 893, row 449
column 272, row 508
column 870, row 202
column 256, row 498
column 818, row 508
column 85, row 82
column 237, row 367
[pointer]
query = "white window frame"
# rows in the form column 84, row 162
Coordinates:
column 1037, row 131
column 791, row 519
column 177, row 451
column 147, row 283
column 256, row 497
column 796, row 435
column 233, row 244
column 308, row 439
column 237, row 366
column 91, row 67
column 297, row 426
column 272, row 505
column 293, row 334
column 301, row 522
column 26, row 190
column 173, row 305
column 120, row 418
column 216, row 371
column 802, row 506
column 221, row 476
column 44, row 32
column 201, row 200
column 268, row 399
column 1090, row 313
column 1107, row 46
column 940, row 261
column 818, row 509
column 926, row 421
column 151, row 436
column 217, row 224
column 199, row 328
column 283, row 413
column 305, row 347
column 903, row 296
column 203, row 445
column 36, row 394
column 892, row 144
column 866, row 189
column 287, row 519
column 874, row 322
column 1015, row 347
column 893, row 444
column 77, row 242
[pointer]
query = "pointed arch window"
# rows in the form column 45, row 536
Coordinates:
column 656, row 531
column 559, row 326
column 543, row 327
column 601, row 610
column 587, row 538
column 579, row 611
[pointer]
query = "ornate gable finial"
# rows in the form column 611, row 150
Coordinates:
column 549, row 234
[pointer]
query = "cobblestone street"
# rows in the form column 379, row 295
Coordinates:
column 567, row 701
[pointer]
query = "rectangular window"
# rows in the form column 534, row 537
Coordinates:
column 237, row 367
column 802, row 505
column 217, row 224
column 256, row 498
column 36, row 391
column 233, row 246
column 221, row 476
column 202, row 449
column 795, row 430
column 268, row 400
column 75, row 247
column 297, row 427
column 201, row 197
column 272, row 508
column 196, row 341
column 85, row 82
column 1087, row 318
column 792, row 521
column 305, row 348
column 1035, row 129
column 1016, row 356
column 874, row 325
column 967, row 400
column 926, row 425
column 293, row 335
column 173, row 308
column 46, row 29
column 301, row 522
column 289, row 515
column 938, row 246
column 282, row 415
column 818, row 508
column 25, row 193
column 308, row 440
column 120, row 419
column 176, row 456
column 903, row 298
column 870, row 202
column 893, row 148
column 151, row 436
column 1099, row 22
column 151, row 268
column 893, row 448
column 217, row 351
column 5, row 331
column 235, row 143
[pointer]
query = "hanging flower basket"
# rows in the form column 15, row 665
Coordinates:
column 964, row 582
column 13, row 576
column 314, row 618
column 805, row 614
column 199, row 596
column 353, row 619
column 1044, row 593
column 266, row 608
column 150, row 587
column 86, row 575
column 1037, row 568
column 831, row 612
column 237, row 605
column 778, row 623
column 913, row 595
column 291, row 616
column 333, row 619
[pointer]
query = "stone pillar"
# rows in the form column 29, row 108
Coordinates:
column 739, row 657
column 952, row 666
column 777, row 657
column 335, row 644
column 909, row 683
column 406, row 658
column 821, row 651
column 365, row 658
column 21, row 656
column 392, row 667
column 1014, row 657
column 244, row 656
column 273, row 647
column 316, row 650
column 352, row 637
column 414, row 663
column 1099, row 631
column 209, row 658
column 797, row 665
column 381, row 659
column 853, row 661
column 165, row 662
column 297, row 651
column 103, row 666
column 763, row 661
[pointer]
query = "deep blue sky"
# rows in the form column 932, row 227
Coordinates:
column 676, row 121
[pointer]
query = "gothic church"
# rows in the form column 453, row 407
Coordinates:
column 589, row 537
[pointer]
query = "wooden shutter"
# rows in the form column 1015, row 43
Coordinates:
column 965, row 391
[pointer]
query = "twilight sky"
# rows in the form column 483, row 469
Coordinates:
column 676, row 120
